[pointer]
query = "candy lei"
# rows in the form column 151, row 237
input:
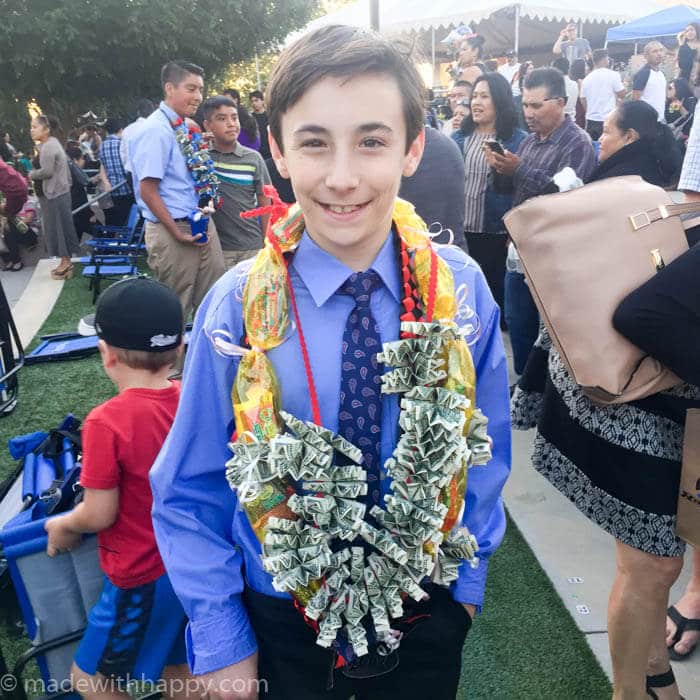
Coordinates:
column 200, row 165
column 304, row 508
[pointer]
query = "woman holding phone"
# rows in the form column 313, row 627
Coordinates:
column 688, row 45
column 491, row 124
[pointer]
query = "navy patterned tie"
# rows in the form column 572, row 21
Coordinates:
column 360, row 414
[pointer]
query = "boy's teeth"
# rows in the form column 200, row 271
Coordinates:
column 342, row 210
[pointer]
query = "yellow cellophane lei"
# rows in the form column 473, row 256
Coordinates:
column 266, row 309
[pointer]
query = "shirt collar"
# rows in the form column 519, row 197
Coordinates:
column 171, row 114
column 310, row 258
column 237, row 151
column 557, row 134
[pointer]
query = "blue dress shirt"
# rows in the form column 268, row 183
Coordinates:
column 203, row 534
column 155, row 153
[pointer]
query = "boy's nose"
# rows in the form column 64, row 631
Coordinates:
column 342, row 175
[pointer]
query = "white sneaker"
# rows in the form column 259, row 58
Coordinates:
column 86, row 326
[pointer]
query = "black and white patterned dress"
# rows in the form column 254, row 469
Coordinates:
column 619, row 465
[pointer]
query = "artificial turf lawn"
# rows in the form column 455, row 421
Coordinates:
column 524, row 646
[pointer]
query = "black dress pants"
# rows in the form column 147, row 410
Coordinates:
column 291, row 666
column 662, row 317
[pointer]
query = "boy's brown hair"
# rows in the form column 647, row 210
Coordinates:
column 150, row 361
column 339, row 51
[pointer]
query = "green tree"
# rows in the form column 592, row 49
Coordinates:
column 74, row 55
column 243, row 75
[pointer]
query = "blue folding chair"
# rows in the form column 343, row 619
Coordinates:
column 111, row 236
column 54, row 594
column 108, row 267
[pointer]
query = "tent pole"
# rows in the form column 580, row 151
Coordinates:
column 432, row 50
column 517, row 29
column 374, row 15
column 257, row 70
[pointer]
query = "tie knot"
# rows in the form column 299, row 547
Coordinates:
column 360, row 285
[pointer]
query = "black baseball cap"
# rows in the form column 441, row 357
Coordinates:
column 139, row 313
column 511, row 52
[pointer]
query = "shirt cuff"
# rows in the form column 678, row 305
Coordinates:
column 691, row 184
column 217, row 642
column 469, row 587
column 91, row 482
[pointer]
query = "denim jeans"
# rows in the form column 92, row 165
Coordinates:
column 522, row 318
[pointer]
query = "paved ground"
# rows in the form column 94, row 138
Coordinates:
column 577, row 556
column 32, row 294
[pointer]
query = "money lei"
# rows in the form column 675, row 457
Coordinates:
column 345, row 591
column 199, row 164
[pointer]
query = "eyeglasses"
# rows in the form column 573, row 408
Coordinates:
column 535, row 106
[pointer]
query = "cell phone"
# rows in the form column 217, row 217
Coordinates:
column 495, row 147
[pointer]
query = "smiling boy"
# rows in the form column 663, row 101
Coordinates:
column 165, row 190
column 346, row 123
column 242, row 174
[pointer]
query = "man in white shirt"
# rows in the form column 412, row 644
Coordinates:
column 600, row 92
column 562, row 64
column 510, row 69
column 650, row 83
column 144, row 109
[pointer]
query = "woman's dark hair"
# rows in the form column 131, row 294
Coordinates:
column 644, row 119
column 696, row 27
column 476, row 42
column 682, row 88
column 74, row 152
column 502, row 98
column 248, row 124
column 578, row 69
column 51, row 123
column 233, row 94
column 5, row 153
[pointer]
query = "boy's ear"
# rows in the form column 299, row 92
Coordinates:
column 107, row 354
column 277, row 155
column 415, row 153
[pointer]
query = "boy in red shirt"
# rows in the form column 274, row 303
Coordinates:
column 136, row 629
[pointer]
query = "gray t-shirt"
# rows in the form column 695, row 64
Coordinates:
column 573, row 50
column 242, row 174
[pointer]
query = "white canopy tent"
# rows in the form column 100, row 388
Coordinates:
column 512, row 24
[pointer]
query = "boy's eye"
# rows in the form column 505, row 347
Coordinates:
column 312, row 143
column 372, row 142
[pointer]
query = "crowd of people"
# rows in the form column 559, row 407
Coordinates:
column 96, row 157
column 341, row 131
